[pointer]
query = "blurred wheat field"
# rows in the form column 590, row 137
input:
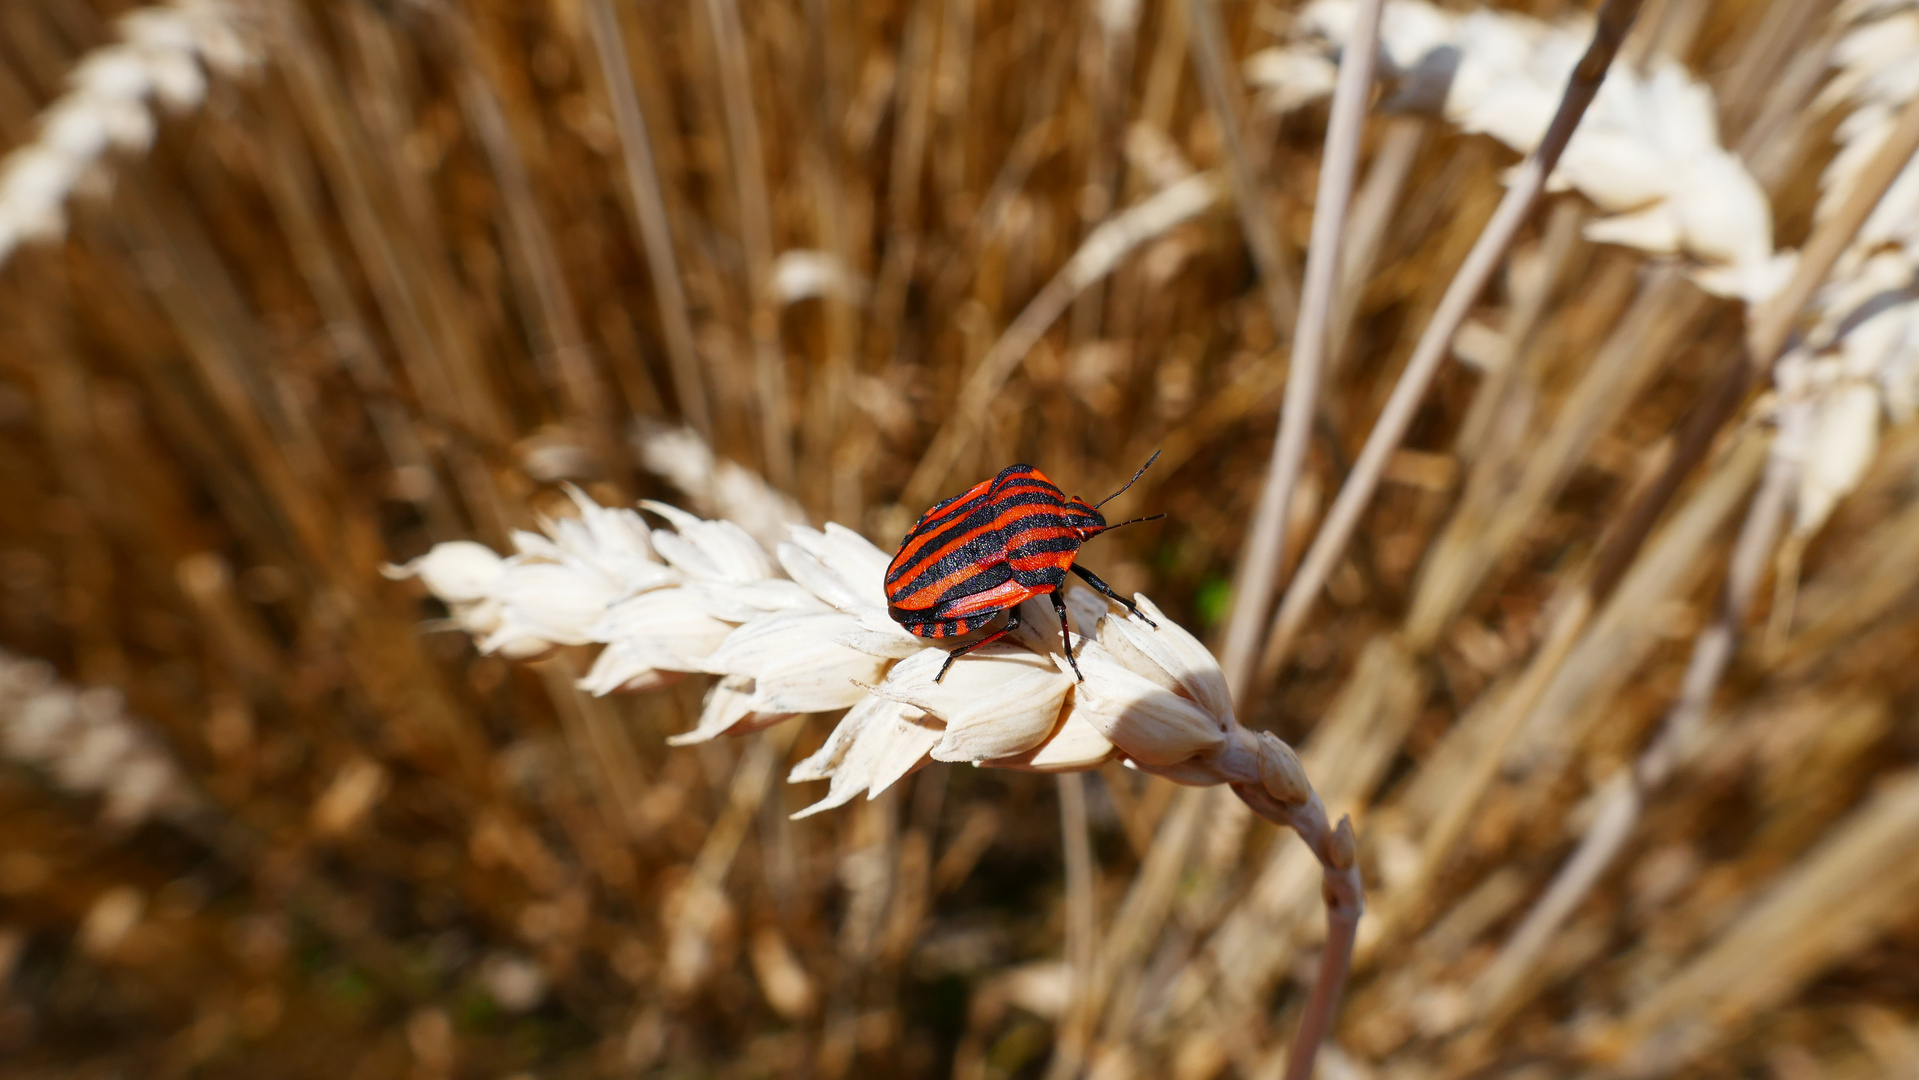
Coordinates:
column 376, row 274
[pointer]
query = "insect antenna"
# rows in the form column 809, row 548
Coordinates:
column 1135, row 521
column 1129, row 483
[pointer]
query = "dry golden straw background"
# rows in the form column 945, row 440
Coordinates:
column 1569, row 527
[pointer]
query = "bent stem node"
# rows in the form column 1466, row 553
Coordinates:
column 1267, row 776
column 1345, row 898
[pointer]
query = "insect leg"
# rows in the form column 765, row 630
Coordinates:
column 1012, row 624
column 1066, row 632
column 1093, row 580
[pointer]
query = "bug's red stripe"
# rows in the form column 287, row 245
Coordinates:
column 983, row 551
column 960, row 564
column 962, row 519
column 1007, row 526
column 957, row 517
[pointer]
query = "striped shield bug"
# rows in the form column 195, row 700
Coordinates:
column 980, row 553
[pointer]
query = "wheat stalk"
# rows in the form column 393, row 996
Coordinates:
column 1581, row 87
column 649, row 212
column 1829, row 457
column 1265, row 556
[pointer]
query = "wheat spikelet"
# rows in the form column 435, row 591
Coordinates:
column 717, row 487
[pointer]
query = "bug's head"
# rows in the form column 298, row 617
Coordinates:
column 1086, row 518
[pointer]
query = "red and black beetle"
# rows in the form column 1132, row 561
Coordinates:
column 978, row 554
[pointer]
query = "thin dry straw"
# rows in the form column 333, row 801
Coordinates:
column 1118, row 22
column 1147, row 905
column 914, row 125
column 1568, row 615
column 1765, row 339
column 1035, row 141
column 835, row 451
column 1102, row 251
column 955, row 92
column 291, row 185
column 1504, row 496
column 1625, row 799
column 649, row 210
column 1371, row 209
column 1259, row 568
column 1782, row 32
column 756, row 236
column 560, row 341
column 1776, row 139
column 1858, row 883
column 1218, row 81
column 1533, row 281
column 1529, row 180
column 437, row 350
column 699, row 914
column 1713, row 650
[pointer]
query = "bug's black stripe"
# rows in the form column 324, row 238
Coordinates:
column 970, row 523
column 1017, row 527
column 939, row 628
column 988, row 491
column 1006, row 490
column 976, row 534
column 1020, row 549
column 985, row 551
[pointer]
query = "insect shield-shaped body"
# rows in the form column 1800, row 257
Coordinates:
column 978, row 554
